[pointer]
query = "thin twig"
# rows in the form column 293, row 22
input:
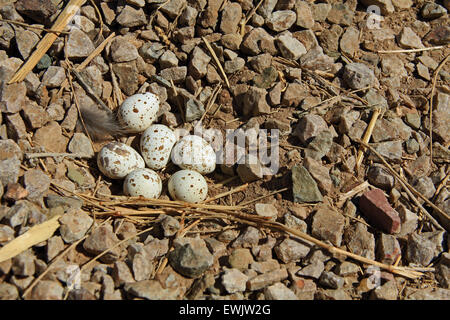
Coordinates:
column 211, row 50
column 56, row 155
column 33, row 27
column 410, row 50
column 89, row 90
column 367, row 136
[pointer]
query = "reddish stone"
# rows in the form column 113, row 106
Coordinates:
column 376, row 207
column 15, row 192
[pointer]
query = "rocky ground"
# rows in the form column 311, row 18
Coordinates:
column 311, row 69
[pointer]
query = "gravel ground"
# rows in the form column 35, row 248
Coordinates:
column 323, row 74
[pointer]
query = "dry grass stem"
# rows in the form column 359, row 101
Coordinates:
column 410, row 50
column 26, row 25
column 211, row 51
column 367, row 135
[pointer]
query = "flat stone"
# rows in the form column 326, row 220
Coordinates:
column 150, row 290
column 39, row 11
column 380, row 177
column 176, row 74
column 328, row 225
column 290, row 250
column 34, row 115
column 23, row 264
column 234, row 280
column 409, row 220
column 102, row 239
column 358, row 75
column 331, row 280
column 131, row 17
column 349, row 43
column 425, row 186
column 439, row 35
column 441, row 117
column 289, row 46
column 360, row 241
column 265, row 266
column 6, row 233
column 234, row 65
column 347, row 268
column 341, row 14
column 320, row 145
column 198, row 63
column 191, row 259
column 409, row 39
column 12, row 97
column 54, row 246
column 122, row 50
column 304, row 289
column 36, row 183
column 80, row 144
column 250, row 170
column 374, row 205
column 390, row 150
column 121, row 273
column 16, row 128
column 47, row 290
column 309, row 127
column 8, row 291
column 267, row 279
column 127, row 74
column 312, row 270
column 26, row 40
column 53, row 77
column 258, row 41
column 281, row 20
column 18, row 213
column 423, row 248
column 431, row 11
column 304, row 15
column 279, row 291
column 304, row 187
column 229, row 22
column 292, row 221
column 240, row 259
column 430, row 293
column 388, row 249
column 387, row 291
column 168, row 59
column 255, row 102
column 78, row 44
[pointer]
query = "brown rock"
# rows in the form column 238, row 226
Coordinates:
column 12, row 97
column 50, row 137
column 376, row 207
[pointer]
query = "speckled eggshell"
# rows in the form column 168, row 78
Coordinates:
column 194, row 153
column 139, row 111
column 156, row 144
column 115, row 160
column 188, row 185
column 143, row 182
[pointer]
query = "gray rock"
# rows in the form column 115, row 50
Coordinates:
column 168, row 59
column 234, row 280
column 258, row 41
column 304, row 13
column 347, row 268
column 388, row 249
column 127, row 74
column 420, row 250
column 443, row 270
column 360, row 241
column 198, row 63
column 409, row 39
column 47, row 290
column 358, row 75
column 349, row 43
column 36, row 183
column 122, row 50
column 192, row 258
column 380, row 177
column 289, row 46
column 23, row 264
column 387, row 291
column 313, row 270
column 54, row 246
column 290, row 250
column 229, row 23
column 102, row 239
column 169, row 225
column 331, row 280
column 328, row 225
column 432, row 11
column 248, row 238
column 279, row 291
column 80, row 144
column 78, row 44
column 320, row 145
column 18, row 214
column 309, row 127
column 409, row 220
column 430, row 293
column 240, row 259
column 281, row 20
column 266, row 210
column 150, row 290
column 131, row 17
column 304, row 187
column 121, row 274
column 390, row 150
column 266, row 279
column 292, row 221
column 425, row 186
column 8, row 291
column 74, row 225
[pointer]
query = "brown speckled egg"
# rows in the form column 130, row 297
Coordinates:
column 188, row 185
column 143, row 182
column 139, row 111
column 115, row 160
